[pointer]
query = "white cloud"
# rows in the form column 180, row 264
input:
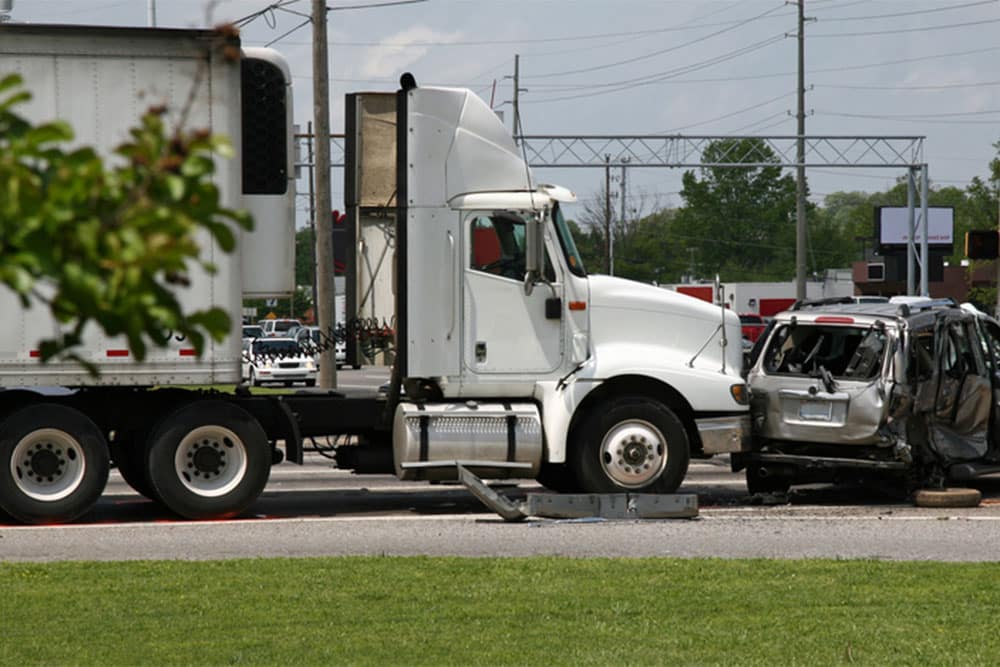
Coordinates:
column 397, row 52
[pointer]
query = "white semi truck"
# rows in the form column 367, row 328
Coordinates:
column 509, row 358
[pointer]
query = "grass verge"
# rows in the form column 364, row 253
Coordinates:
column 537, row 611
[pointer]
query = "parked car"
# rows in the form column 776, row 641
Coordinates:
column 277, row 360
column 905, row 392
column 312, row 339
column 753, row 325
column 278, row 327
column 252, row 331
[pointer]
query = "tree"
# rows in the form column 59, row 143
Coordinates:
column 108, row 245
column 305, row 258
column 738, row 220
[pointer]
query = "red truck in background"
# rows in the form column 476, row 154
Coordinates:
column 752, row 326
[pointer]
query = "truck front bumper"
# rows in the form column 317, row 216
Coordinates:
column 720, row 435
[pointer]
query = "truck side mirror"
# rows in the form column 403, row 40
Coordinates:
column 535, row 252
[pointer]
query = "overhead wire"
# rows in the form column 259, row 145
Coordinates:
column 838, row 19
column 874, row 33
column 728, row 115
column 653, row 54
column 613, row 87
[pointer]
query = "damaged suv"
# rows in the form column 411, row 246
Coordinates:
column 844, row 391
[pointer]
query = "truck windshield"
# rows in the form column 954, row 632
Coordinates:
column 573, row 259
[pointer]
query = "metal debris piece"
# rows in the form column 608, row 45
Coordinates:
column 578, row 506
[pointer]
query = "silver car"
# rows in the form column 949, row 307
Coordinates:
column 860, row 390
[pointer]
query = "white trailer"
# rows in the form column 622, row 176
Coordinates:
column 509, row 358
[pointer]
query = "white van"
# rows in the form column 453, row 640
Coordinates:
column 278, row 327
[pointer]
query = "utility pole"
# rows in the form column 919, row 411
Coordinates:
column 151, row 13
column 800, row 159
column 325, row 287
column 517, row 106
column 312, row 215
column 607, row 214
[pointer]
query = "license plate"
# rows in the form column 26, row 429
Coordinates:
column 817, row 411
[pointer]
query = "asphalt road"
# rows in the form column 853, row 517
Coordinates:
column 317, row 511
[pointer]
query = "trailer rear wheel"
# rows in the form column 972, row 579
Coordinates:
column 208, row 459
column 53, row 464
column 631, row 444
column 129, row 453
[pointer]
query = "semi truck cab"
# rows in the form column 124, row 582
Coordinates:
column 621, row 381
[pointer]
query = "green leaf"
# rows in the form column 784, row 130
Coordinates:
column 175, row 185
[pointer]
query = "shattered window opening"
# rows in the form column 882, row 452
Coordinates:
column 852, row 353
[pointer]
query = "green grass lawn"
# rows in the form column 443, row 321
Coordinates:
column 537, row 611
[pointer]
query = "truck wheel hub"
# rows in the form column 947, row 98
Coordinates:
column 633, row 454
column 47, row 464
column 210, row 461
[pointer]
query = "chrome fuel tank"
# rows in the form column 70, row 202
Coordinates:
column 494, row 440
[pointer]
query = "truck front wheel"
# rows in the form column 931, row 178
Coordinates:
column 53, row 464
column 208, row 459
column 633, row 444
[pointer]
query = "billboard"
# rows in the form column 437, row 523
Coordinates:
column 892, row 226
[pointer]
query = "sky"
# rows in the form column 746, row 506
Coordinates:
column 695, row 67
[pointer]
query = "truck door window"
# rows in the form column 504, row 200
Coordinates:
column 497, row 246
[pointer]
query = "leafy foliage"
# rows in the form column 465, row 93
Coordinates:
column 740, row 221
column 110, row 245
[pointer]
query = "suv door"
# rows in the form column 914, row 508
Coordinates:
column 964, row 396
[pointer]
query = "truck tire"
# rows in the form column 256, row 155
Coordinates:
column 129, row 454
column 208, row 459
column 558, row 477
column 631, row 444
column 53, row 464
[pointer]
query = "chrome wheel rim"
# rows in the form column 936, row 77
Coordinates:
column 48, row 465
column 633, row 453
column 211, row 461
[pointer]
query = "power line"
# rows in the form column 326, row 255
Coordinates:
column 902, row 30
column 549, row 40
column 927, row 118
column 374, row 5
column 663, row 76
column 913, row 13
column 653, row 54
column 729, row 115
column 784, row 115
column 943, row 86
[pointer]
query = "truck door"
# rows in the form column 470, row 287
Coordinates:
column 506, row 331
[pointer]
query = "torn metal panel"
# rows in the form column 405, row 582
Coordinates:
column 579, row 506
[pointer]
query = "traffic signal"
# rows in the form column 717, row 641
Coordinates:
column 982, row 244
